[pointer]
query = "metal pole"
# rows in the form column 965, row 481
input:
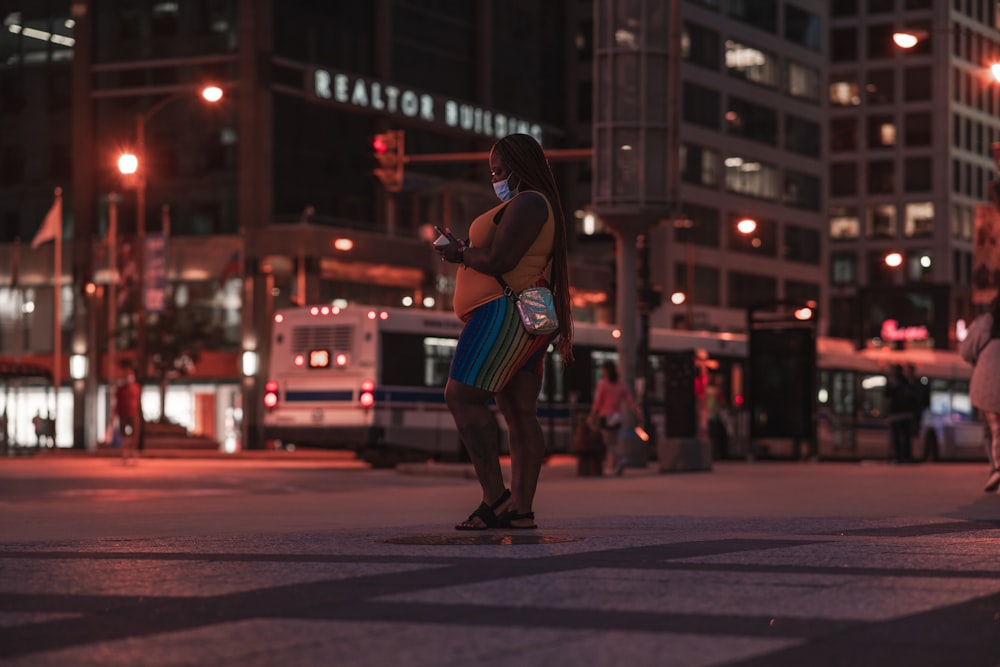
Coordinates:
column 140, row 242
column 112, row 291
column 689, row 269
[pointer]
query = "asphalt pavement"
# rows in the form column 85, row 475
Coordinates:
column 315, row 559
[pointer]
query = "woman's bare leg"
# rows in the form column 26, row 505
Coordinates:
column 478, row 429
column 519, row 404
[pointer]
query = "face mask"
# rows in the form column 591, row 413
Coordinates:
column 503, row 190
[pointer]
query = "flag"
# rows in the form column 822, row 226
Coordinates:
column 52, row 225
column 231, row 268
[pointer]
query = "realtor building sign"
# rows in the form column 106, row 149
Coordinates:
column 350, row 90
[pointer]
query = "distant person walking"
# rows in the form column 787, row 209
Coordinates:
column 981, row 349
column 920, row 400
column 610, row 396
column 899, row 399
column 128, row 406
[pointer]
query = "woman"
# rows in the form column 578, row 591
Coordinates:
column 981, row 349
column 524, row 240
column 605, row 412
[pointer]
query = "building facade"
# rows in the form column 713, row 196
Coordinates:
column 910, row 136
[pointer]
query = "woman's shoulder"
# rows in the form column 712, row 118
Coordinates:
column 531, row 201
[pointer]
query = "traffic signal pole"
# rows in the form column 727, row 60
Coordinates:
column 554, row 155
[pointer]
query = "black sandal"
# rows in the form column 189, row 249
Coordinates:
column 505, row 520
column 486, row 514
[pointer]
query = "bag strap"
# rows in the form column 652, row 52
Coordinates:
column 508, row 291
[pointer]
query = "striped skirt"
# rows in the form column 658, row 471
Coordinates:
column 494, row 346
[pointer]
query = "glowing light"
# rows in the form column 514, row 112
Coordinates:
column 314, row 310
column 372, row 314
column 407, row 301
column 300, row 360
column 925, row 261
column 429, row 302
column 907, row 40
column 383, row 315
column 343, row 245
column 803, row 314
column 325, row 310
column 616, row 333
column 249, row 363
column 271, row 395
column 128, row 163
column 367, row 400
column 211, row 93
column 995, row 71
column 893, row 259
column 341, row 359
column 746, row 226
column 279, row 318
column 677, row 298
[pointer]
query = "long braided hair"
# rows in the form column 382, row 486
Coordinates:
column 524, row 157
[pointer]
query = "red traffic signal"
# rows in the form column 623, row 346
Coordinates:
column 389, row 151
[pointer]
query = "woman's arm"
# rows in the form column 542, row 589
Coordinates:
column 522, row 220
column 630, row 401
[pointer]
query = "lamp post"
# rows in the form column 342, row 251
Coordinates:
column 745, row 226
column 137, row 166
column 908, row 39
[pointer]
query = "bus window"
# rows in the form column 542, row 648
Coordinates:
column 438, row 353
column 837, row 391
column 553, row 379
column 873, row 399
column 961, row 406
column 940, row 398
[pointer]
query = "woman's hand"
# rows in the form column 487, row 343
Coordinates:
column 452, row 251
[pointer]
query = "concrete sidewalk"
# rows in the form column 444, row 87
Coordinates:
column 224, row 562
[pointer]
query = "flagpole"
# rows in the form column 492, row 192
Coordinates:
column 57, row 313
column 112, row 292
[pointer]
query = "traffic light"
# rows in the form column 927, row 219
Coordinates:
column 389, row 151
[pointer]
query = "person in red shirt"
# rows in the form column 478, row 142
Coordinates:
column 606, row 412
column 128, row 406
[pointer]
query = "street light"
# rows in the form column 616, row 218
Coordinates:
column 136, row 165
column 745, row 226
column 908, row 39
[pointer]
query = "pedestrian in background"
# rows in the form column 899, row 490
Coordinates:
column 523, row 239
column 610, row 396
column 128, row 406
column 899, row 398
column 920, row 400
column 981, row 349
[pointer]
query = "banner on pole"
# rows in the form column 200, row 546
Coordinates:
column 155, row 278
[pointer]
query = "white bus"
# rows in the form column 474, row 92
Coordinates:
column 852, row 418
column 372, row 379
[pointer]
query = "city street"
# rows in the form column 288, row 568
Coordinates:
column 314, row 559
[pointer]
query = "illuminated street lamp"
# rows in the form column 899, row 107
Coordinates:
column 745, row 226
column 908, row 39
column 136, row 166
